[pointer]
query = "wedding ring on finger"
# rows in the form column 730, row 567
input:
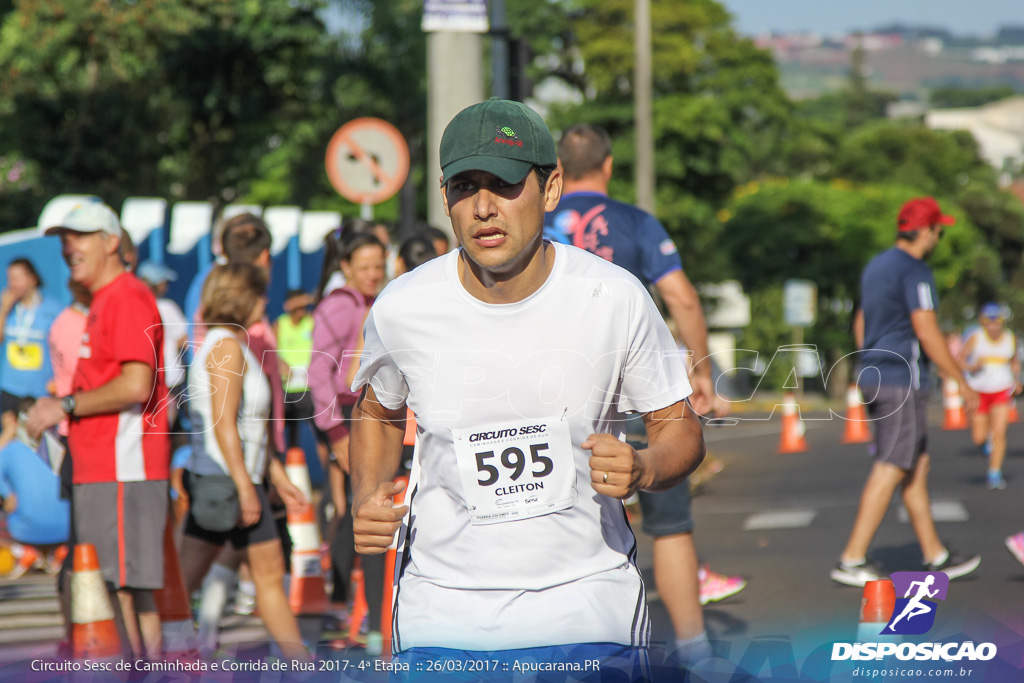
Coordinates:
column 605, row 480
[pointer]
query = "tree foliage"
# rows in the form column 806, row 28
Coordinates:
column 234, row 100
column 174, row 98
column 720, row 117
column 951, row 97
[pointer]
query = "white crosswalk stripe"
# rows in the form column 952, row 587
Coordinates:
column 780, row 519
column 942, row 511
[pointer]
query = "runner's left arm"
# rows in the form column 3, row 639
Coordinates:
column 675, row 447
column 683, row 303
column 134, row 385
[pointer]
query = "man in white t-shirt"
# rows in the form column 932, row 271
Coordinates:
column 521, row 360
column 176, row 331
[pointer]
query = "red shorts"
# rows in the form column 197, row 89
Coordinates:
column 986, row 401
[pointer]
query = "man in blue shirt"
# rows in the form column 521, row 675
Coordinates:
column 631, row 238
column 897, row 329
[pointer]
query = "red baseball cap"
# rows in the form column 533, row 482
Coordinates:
column 921, row 212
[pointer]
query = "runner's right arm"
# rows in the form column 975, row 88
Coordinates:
column 683, row 303
column 375, row 452
column 965, row 353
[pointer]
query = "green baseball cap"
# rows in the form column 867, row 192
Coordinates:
column 498, row 136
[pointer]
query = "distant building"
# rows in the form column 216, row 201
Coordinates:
column 999, row 54
column 905, row 109
column 998, row 127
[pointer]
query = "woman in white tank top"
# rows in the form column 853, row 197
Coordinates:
column 989, row 359
column 229, row 402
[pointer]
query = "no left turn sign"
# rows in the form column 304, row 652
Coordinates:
column 367, row 160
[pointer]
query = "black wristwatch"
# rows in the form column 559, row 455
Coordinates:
column 68, row 404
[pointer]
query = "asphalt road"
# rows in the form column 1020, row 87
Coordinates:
column 780, row 521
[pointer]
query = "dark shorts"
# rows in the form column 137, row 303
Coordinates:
column 125, row 521
column 667, row 513
column 9, row 402
column 298, row 405
column 900, row 417
column 240, row 538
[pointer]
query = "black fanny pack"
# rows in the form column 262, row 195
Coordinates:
column 214, row 502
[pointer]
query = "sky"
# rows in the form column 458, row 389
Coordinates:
column 962, row 17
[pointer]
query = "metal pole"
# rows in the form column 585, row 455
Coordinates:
column 499, row 50
column 455, row 81
column 645, row 177
column 798, row 340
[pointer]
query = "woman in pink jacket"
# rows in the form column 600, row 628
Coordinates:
column 337, row 338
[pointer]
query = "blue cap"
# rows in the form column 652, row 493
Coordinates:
column 155, row 273
column 993, row 311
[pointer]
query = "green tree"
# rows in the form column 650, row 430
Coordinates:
column 827, row 232
column 947, row 164
column 179, row 98
column 376, row 68
column 720, row 117
column 951, row 97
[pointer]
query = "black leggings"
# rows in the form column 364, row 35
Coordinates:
column 343, row 553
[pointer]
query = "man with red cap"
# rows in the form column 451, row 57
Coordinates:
column 899, row 337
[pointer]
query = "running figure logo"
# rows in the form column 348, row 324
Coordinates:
column 914, row 613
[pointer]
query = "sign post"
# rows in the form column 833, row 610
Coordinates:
column 367, row 162
column 799, row 309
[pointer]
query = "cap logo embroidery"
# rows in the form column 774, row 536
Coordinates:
column 506, row 136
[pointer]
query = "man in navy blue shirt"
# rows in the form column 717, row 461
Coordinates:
column 588, row 218
column 897, row 329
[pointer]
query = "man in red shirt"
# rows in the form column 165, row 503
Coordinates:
column 117, row 436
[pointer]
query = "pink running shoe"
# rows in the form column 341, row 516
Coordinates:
column 1015, row 544
column 715, row 586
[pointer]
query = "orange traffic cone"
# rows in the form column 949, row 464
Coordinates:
column 793, row 429
column 387, row 604
column 1013, row 416
column 360, row 609
column 876, row 608
column 953, row 403
column 409, row 436
column 176, row 626
column 307, row 594
column 93, row 632
column 297, row 471
column 856, row 417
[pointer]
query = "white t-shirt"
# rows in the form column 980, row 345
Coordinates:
column 252, row 419
column 509, row 545
column 996, row 373
column 175, row 327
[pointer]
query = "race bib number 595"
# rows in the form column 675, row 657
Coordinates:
column 517, row 470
